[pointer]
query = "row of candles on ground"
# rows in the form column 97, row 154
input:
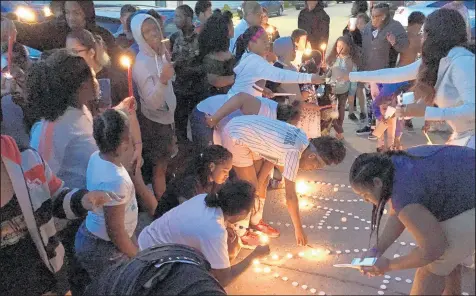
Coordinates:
column 313, row 254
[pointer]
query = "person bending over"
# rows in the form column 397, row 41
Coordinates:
column 258, row 144
column 428, row 199
column 202, row 223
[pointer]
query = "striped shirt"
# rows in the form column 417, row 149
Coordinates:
column 41, row 196
column 274, row 140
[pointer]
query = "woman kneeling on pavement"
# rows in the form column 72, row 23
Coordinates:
column 203, row 223
column 431, row 201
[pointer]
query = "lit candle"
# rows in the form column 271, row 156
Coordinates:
column 289, row 255
column 301, row 254
column 264, row 239
column 308, row 51
column 267, row 270
column 256, row 262
column 126, row 62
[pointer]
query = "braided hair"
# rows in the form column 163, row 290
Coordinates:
column 368, row 166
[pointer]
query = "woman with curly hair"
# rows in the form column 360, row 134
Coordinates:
column 217, row 60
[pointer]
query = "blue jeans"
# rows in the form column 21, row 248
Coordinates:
column 202, row 135
column 95, row 254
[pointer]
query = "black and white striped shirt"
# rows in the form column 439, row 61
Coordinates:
column 274, row 140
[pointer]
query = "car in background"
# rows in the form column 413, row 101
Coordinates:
column 427, row 7
column 273, row 7
column 342, row 2
column 107, row 16
column 301, row 4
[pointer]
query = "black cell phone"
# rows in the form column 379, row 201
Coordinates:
column 105, row 99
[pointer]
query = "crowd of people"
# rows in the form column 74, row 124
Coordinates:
column 103, row 177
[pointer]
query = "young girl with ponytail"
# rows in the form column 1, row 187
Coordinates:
column 106, row 236
column 202, row 223
column 206, row 173
column 428, row 199
column 253, row 70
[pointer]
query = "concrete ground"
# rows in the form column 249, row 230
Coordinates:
column 335, row 220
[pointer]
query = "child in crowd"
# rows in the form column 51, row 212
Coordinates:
column 106, row 235
column 243, row 104
column 253, row 70
column 203, row 224
column 205, row 174
column 345, row 55
column 386, row 97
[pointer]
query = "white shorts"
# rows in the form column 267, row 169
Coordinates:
column 242, row 155
column 459, row 232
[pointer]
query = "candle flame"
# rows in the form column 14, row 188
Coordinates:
column 301, row 254
column 289, row 255
column 47, row 11
column 302, row 187
column 274, row 257
column 258, row 270
column 256, row 262
column 308, row 51
column 267, row 270
column 264, row 239
column 323, row 46
column 270, row 30
column 164, row 40
column 125, row 61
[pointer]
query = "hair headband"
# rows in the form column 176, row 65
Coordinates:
column 257, row 34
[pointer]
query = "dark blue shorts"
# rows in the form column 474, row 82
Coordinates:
column 202, row 135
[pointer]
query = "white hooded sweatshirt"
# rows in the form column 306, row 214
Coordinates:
column 158, row 101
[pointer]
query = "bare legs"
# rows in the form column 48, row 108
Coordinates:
column 428, row 283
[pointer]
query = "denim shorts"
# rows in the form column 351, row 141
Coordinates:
column 202, row 135
column 95, row 254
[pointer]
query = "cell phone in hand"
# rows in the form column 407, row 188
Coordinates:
column 105, row 98
column 369, row 261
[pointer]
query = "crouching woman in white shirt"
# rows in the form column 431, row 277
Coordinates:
column 105, row 238
column 202, row 223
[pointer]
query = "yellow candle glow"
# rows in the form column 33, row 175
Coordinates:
column 256, row 262
column 289, row 255
column 303, row 203
column 302, row 187
column 270, row 30
column 258, row 270
column 323, row 46
column 125, row 61
column 47, row 11
column 308, row 51
column 301, row 254
column 264, row 239
column 267, row 270
column 274, row 257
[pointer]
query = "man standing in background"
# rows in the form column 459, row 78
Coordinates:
column 315, row 21
column 203, row 10
column 252, row 13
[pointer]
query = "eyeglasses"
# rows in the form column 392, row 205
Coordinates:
column 78, row 51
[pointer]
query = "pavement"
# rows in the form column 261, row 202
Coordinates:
column 336, row 221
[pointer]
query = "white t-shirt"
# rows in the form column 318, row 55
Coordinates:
column 191, row 224
column 104, row 175
column 268, row 108
column 273, row 140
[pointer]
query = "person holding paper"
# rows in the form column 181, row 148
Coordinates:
column 428, row 199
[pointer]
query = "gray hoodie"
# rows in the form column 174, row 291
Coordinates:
column 376, row 51
column 158, row 101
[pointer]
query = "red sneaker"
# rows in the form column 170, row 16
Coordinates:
column 266, row 229
column 250, row 240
